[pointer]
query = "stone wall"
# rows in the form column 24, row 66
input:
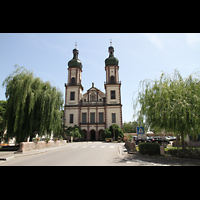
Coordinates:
column 194, row 144
column 130, row 146
column 28, row 146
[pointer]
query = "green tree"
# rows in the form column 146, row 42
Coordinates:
column 75, row 131
column 2, row 118
column 118, row 131
column 33, row 106
column 171, row 103
column 107, row 134
column 130, row 127
column 127, row 128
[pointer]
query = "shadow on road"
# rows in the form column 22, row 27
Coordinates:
column 139, row 159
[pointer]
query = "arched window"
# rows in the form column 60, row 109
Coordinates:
column 112, row 79
column 73, row 80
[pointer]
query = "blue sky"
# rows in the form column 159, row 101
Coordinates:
column 141, row 56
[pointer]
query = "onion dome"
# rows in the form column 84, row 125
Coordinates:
column 75, row 62
column 111, row 60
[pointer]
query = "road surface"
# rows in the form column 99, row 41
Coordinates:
column 73, row 154
column 90, row 154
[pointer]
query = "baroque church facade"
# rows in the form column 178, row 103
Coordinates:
column 95, row 110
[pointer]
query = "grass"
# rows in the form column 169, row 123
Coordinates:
column 137, row 148
column 170, row 147
column 192, row 152
column 166, row 149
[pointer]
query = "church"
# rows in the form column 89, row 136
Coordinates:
column 95, row 110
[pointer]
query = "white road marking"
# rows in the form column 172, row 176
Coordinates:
column 102, row 147
column 74, row 147
column 92, row 146
column 112, row 146
column 84, row 147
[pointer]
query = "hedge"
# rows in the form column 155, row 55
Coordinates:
column 149, row 148
column 187, row 153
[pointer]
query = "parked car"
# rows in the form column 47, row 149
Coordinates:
column 137, row 141
column 134, row 138
column 168, row 138
column 161, row 141
column 151, row 138
column 173, row 138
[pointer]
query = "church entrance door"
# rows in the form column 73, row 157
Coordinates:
column 92, row 135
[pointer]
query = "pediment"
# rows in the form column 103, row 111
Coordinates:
column 92, row 93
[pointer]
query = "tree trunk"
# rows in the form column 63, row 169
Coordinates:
column 182, row 141
column 177, row 144
column 188, row 136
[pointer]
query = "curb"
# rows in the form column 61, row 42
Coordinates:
column 4, row 159
column 30, row 153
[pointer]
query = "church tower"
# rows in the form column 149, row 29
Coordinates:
column 74, row 90
column 113, row 90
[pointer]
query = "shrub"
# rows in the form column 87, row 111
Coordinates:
column 149, row 148
column 172, row 152
column 129, row 137
column 108, row 139
column 107, row 133
column 118, row 131
column 187, row 153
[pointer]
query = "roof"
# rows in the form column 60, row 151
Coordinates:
column 75, row 63
column 94, row 89
column 111, row 60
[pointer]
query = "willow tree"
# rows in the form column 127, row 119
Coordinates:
column 171, row 103
column 2, row 119
column 33, row 106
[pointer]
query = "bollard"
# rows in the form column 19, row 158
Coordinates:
column 162, row 150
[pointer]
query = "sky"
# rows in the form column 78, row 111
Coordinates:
column 141, row 56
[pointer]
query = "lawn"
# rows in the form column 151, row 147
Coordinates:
column 166, row 149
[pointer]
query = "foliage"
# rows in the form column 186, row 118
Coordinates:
column 130, row 127
column 118, row 131
column 107, row 133
column 2, row 118
column 2, row 108
column 185, row 153
column 74, row 131
column 149, row 148
column 129, row 137
column 108, row 139
column 47, row 139
column 171, row 103
column 33, row 106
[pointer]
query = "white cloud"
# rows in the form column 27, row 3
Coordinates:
column 192, row 38
column 155, row 39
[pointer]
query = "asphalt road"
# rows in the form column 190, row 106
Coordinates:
column 90, row 154
column 73, row 154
